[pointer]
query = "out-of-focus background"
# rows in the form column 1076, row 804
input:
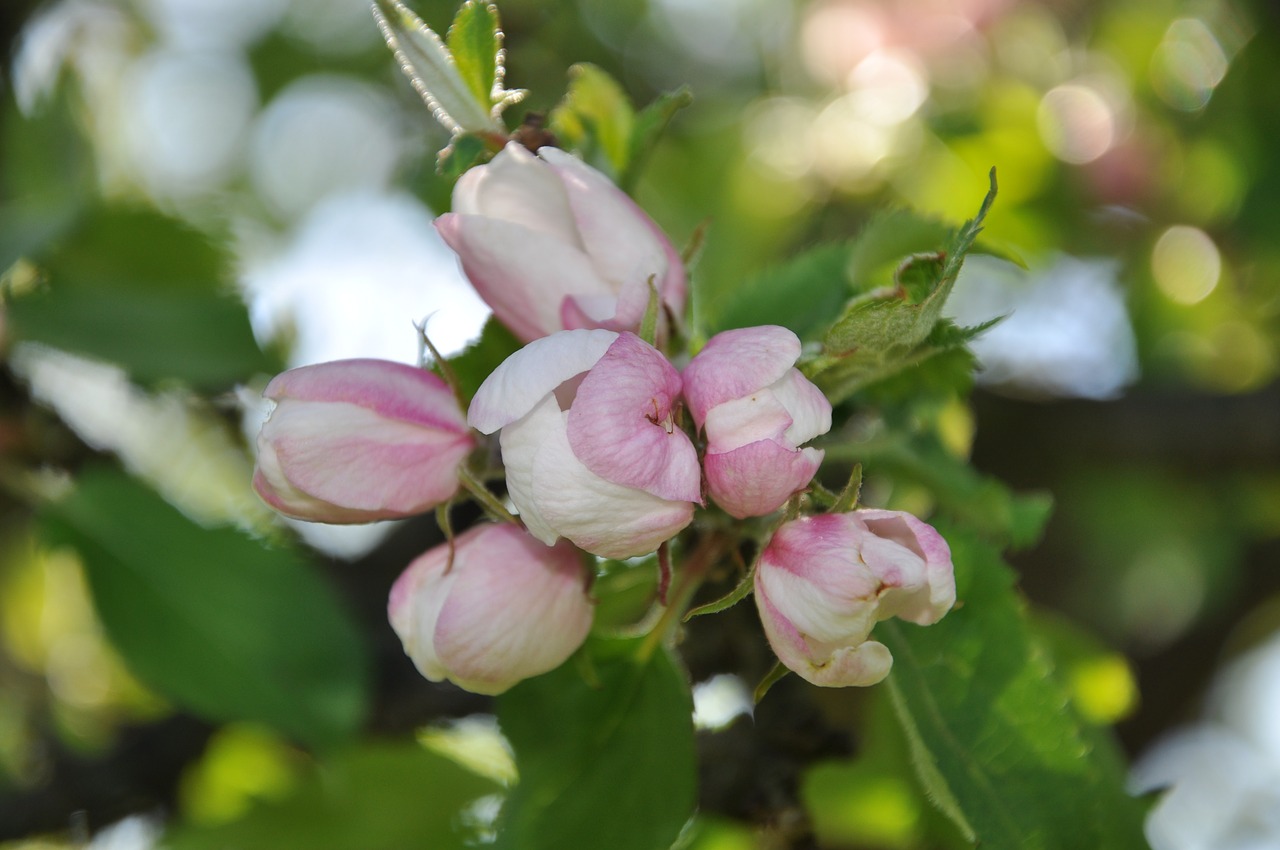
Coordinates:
column 269, row 150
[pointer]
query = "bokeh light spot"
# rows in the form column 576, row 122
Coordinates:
column 1186, row 264
column 1076, row 123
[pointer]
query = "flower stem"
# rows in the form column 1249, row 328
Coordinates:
column 482, row 494
column 691, row 573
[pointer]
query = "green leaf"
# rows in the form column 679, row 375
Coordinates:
column 981, row 502
column 45, row 177
column 595, row 118
column 146, row 292
column 801, row 294
column 475, row 41
column 481, row 357
column 210, row 618
column 995, row 741
column 378, row 797
column 611, row 766
column 461, row 154
column 648, row 127
column 885, row 330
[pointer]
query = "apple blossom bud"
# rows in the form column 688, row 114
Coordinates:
column 756, row 410
column 589, row 443
column 509, row 607
column 824, row 581
column 550, row 244
column 359, row 440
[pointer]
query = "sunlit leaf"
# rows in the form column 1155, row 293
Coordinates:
column 605, row 766
column 215, row 621
column 378, row 797
column 595, row 118
column 885, row 330
column 475, row 42
column 994, row 739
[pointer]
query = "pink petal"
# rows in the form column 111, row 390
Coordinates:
column 922, row 539
column 523, row 275
column 276, row 491
column 620, row 424
column 518, row 187
column 352, row 457
column 606, row 519
column 823, row 619
column 625, row 245
column 864, row 663
column 391, row 390
column 415, row 603
column 736, row 363
column 517, row 609
column 756, row 479
column 534, row 372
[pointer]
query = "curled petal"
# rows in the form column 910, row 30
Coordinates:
column 741, row 421
column 620, row 425
column 532, row 373
column 810, row 411
column 939, row 594
column 521, row 441
column 391, row 390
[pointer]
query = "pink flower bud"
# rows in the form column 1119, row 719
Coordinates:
column 508, row 608
column 589, row 443
column 823, row 582
column 550, row 244
column 359, row 440
column 756, row 410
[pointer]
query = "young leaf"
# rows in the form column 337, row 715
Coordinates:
column 475, row 42
column 648, row 126
column 885, row 330
column 432, row 71
column 610, row 766
column 994, row 739
column 595, row 118
column 210, row 618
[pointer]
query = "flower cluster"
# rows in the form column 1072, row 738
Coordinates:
column 597, row 453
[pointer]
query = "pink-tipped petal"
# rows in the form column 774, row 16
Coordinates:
column 523, row 275
column 349, row 456
column 606, row 519
column 624, row 244
column 532, row 373
column 736, row 363
column 391, row 390
column 620, row 425
column 758, row 478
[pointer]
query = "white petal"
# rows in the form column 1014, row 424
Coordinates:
column 533, row 372
column 520, row 442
